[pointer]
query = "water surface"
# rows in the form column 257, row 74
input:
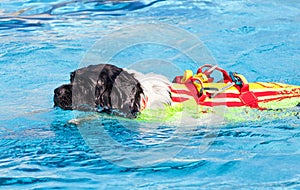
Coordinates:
column 42, row 41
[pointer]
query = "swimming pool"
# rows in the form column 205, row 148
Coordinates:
column 41, row 42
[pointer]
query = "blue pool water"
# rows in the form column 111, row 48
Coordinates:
column 43, row 41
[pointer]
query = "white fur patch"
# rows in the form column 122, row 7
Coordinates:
column 155, row 87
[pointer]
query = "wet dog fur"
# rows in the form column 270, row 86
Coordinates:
column 102, row 88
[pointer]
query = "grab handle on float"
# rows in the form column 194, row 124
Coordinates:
column 223, row 89
column 209, row 71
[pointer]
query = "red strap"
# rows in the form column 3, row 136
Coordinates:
column 247, row 97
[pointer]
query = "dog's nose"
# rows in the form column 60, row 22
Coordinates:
column 55, row 98
column 63, row 97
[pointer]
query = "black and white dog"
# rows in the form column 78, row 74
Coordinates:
column 110, row 89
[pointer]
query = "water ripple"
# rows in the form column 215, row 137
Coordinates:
column 108, row 7
column 31, row 180
column 35, row 14
column 9, row 23
column 96, row 6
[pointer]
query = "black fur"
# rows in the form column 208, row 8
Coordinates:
column 103, row 88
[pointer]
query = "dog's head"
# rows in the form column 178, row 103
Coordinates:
column 105, row 88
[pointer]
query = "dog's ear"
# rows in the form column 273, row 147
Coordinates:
column 106, row 80
column 126, row 95
column 102, row 90
column 117, row 92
